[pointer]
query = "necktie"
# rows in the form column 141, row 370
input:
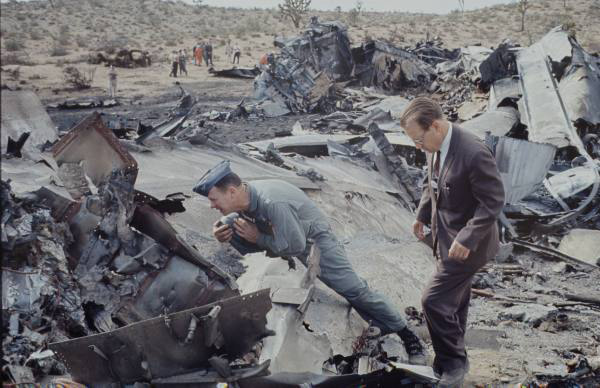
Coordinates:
column 436, row 165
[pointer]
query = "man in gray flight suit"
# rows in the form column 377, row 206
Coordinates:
column 280, row 218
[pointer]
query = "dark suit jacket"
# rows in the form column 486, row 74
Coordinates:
column 469, row 201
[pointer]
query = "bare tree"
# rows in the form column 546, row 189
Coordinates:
column 523, row 6
column 355, row 12
column 461, row 3
column 294, row 10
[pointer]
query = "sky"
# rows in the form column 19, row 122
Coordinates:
column 428, row 6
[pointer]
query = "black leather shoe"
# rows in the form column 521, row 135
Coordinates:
column 414, row 347
column 437, row 370
column 453, row 378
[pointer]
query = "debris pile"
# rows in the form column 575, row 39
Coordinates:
column 122, row 58
column 98, row 284
column 97, row 260
column 303, row 76
column 390, row 68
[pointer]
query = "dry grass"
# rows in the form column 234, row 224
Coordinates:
column 78, row 26
column 42, row 39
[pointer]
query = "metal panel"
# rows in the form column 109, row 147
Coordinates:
column 547, row 118
column 94, row 144
column 151, row 223
column 511, row 155
column 166, row 346
column 303, row 144
column 23, row 112
column 498, row 122
column 503, row 89
column 580, row 87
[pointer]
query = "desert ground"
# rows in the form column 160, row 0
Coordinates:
column 39, row 40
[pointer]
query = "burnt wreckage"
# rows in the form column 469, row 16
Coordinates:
column 101, row 279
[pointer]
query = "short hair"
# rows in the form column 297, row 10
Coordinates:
column 423, row 110
column 231, row 179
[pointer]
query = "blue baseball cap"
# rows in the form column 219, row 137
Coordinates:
column 212, row 177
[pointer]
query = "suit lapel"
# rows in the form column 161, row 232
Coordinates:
column 451, row 154
column 430, row 177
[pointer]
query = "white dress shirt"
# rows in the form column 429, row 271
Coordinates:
column 445, row 146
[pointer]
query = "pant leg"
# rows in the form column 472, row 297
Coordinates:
column 445, row 307
column 463, row 308
column 338, row 274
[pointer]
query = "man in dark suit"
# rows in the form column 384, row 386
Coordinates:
column 462, row 198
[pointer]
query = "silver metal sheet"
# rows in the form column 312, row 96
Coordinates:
column 394, row 105
column 502, row 89
column 94, row 146
column 302, row 143
column 556, row 44
column 547, row 118
column 422, row 371
column 178, row 170
column 497, row 122
column 293, row 296
column 572, row 181
column 580, row 87
column 582, row 244
column 511, row 155
column 23, row 112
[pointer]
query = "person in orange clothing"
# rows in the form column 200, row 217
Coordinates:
column 198, row 54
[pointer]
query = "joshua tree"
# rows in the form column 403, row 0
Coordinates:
column 523, row 6
column 355, row 12
column 294, row 10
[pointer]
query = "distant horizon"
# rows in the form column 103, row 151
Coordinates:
column 413, row 6
column 421, row 6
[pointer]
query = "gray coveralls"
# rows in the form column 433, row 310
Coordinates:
column 295, row 219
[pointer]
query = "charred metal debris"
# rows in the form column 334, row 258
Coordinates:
column 129, row 58
column 92, row 268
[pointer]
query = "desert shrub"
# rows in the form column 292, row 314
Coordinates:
column 34, row 34
column 58, row 51
column 13, row 44
column 77, row 78
column 81, row 41
column 21, row 17
column 15, row 59
column 63, row 38
column 113, row 44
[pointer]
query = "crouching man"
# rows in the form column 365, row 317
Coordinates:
column 462, row 199
column 280, row 218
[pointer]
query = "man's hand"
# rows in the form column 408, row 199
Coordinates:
column 223, row 232
column 458, row 251
column 246, row 230
column 418, row 230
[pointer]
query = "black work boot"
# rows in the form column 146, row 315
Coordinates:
column 414, row 347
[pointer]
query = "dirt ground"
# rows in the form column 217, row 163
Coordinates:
column 502, row 351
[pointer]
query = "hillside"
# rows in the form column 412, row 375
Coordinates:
column 36, row 32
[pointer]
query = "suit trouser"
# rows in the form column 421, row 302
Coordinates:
column 446, row 306
column 112, row 88
column 337, row 273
